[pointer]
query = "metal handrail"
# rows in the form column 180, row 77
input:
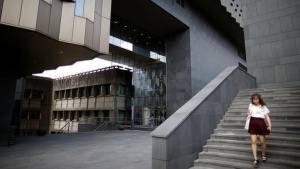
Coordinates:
column 62, row 129
column 102, row 127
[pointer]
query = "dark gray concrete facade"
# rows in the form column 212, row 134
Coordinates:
column 195, row 55
column 177, row 142
column 272, row 38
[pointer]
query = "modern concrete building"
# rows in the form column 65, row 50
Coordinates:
column 176, row 47
column 80, row 102
column 85, row 101
column 33, row 105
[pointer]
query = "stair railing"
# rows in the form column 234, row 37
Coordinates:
column 64, row 128
column 102, row 127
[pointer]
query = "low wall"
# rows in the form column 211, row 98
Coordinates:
column 177, row 142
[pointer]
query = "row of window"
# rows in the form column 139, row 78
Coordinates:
column 33, row 94
column 76, row 115
column 32, row 114
column 98, row 90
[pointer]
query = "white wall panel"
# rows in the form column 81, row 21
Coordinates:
column 89, row 9
column 79, row 30
column 106, row 8
column 99, row 102
column 77, row 103
column 104, row 35
column 11, row 11
column 91, row 103
column 29, row 13
column 58, row 104
column 70, row 103
column 64, row 104
column 67, row 21
column 83, row 103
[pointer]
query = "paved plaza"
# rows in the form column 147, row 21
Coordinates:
column 127, row 149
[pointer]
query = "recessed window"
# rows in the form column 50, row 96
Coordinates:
column 79, row 7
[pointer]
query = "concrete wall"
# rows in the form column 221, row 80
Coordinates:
column 177, row 142
column 272, row 37
column 195, row 56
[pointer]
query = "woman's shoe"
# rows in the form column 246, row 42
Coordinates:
column 255, row 162
column 264, row 158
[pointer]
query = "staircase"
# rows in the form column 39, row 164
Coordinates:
column 230, row 146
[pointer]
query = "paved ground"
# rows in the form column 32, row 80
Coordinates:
column 127, row 149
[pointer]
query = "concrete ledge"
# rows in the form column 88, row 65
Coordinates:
column 176, row 142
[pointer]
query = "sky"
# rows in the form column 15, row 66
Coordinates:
column 78, row 67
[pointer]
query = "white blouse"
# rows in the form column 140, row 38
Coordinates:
column 258, row 111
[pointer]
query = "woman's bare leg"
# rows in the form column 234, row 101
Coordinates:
column 254, row 146
column 263, row 145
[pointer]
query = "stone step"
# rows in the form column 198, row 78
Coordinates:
column 218, row 164
column 246, row 137
column 297, row 109
column 243, row 131
column 245, row 159
column 270, row 95
column 246, row 144
column 282, row 101
column 268, row 99
column 270, row 106
column 264, row 91
column 230, row 144
column 272, row 115
column 286, row 127
column 284, row 155
column 275, row 122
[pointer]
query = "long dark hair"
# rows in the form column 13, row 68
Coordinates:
column 261, row 101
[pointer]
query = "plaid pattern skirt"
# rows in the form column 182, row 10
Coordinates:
column 258, row 126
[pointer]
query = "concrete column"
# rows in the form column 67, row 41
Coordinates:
column 9, row 73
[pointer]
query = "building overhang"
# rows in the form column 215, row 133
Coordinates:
column 38, row 52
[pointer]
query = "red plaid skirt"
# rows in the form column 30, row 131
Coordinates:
column 258, row 126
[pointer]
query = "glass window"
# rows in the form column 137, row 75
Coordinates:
column 34, row 115
column 69, row 93
column 36, row 94
column 62, row 94
column 72, row 115
column 27, row 93
column 56, row 95
column 91, row 91
column 54, row 115
column 24, row 114
column 106, row 115
column 99, row 90
column 75, row 93
column 122, row 90
column 107, row 89
column 82, row 92
column 121, row 116
column 79, row 7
